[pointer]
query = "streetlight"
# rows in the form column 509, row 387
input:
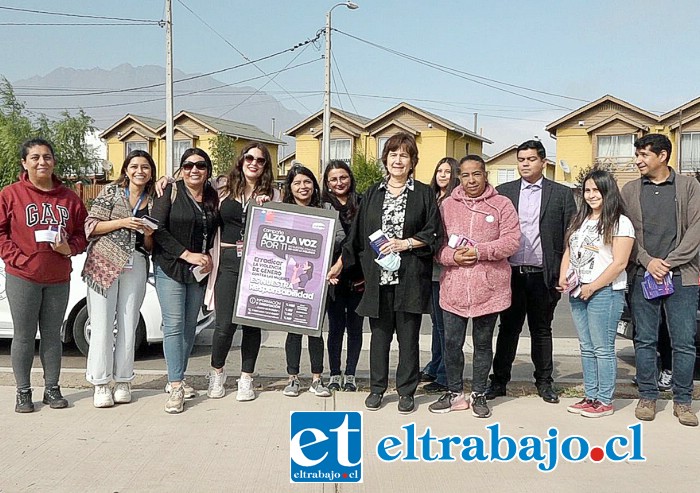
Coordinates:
column 326, row 154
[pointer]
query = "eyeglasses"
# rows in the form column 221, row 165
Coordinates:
column 200, row 165
column 260, row 161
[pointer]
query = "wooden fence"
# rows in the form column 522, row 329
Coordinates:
column 88, row 193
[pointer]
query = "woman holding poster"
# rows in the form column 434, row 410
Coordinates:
column 339, row 193
column 301, row 188
column 250, row 179
column 394, row 238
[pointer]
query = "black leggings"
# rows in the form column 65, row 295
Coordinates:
column 225, row 295
column 33, row 304
column 342, row 317
column 292, row 349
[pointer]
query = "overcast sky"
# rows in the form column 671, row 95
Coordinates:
column 642, row 51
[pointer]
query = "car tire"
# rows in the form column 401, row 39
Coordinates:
column 81, row 332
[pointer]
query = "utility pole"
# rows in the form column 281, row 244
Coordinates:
column 169, row 130
column 476, row 118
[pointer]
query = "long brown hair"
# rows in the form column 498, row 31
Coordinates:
column 235, row 186
column 613, row 206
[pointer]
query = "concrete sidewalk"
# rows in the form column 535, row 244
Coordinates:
column 225, row 445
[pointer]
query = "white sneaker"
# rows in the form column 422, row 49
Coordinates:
column 217, row 380
column 176, row 401
column 190, row 393
column 245, row 389
column 665, row 382
column 319, row 389
column 122, row 393
column 292, row 388
column 102, row 396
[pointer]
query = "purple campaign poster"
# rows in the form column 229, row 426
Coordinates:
column 282, row 282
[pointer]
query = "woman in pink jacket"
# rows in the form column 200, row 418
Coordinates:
column 481, row 232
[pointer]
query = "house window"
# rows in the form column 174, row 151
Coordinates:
column 341, row 149
column 179, row 149
column 136, row 145
column 615, row 149
column 505, row 175
column 690, row 151
column 381, row 142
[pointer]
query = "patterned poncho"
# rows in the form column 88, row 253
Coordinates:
column 109, row 253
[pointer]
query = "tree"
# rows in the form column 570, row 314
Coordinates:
column 75, row 158
column 15, row 128
column 223, row 153
column 367, row 171
column 584, row 171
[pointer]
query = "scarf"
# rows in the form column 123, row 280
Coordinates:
column 109, row 253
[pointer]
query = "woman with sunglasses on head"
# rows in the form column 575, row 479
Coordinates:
column 301, row 188
column 445, row 179
column 187, row 216
column 344, row 297
column 394, row 238
column 249, row 181
column 41, row 227
column 115, row 271
column 599, row 241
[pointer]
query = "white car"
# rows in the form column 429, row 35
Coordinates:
column 76, row 323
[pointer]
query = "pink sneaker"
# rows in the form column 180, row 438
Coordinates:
column 580, row 405
column 597, row 410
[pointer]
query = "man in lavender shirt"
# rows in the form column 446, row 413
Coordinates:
column 544, row 209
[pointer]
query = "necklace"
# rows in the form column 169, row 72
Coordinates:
column 395, row 186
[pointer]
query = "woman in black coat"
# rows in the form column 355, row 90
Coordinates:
column 404, row 214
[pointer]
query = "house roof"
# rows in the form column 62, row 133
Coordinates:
column 450, row 125
column 151, row 124
column 607, row 98
column 397, row 123
column 228, row 127
column 615, row 117
column 503, row 152
column 358, row 120
column 686, row 119
column 683, row 107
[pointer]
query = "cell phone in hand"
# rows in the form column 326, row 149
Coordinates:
column 151, row 222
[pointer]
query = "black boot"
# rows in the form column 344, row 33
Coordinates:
column 24, row 401
column 53, row 397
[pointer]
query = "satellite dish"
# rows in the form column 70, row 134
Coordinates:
column 107, row 166
column 565, row 167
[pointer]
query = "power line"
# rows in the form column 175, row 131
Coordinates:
column 241, row 53
column 337, row 68
column 75, row 24
column 461, row 74
column 84, row 16
column 270, row 79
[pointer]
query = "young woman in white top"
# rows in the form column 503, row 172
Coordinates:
column 599, row 242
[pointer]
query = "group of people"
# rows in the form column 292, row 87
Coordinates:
column 457, row 249
column 513, row 251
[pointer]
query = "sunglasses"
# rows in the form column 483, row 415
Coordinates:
column 200, row 165
column 249, row 158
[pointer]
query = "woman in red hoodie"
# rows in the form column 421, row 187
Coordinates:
column 481, row 232
column 41, row 227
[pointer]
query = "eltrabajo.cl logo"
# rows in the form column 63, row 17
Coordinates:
column 325, row 447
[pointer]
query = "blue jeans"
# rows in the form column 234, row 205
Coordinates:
column 179, row 305
column 596, row 324
column 679, row 308
column 436, row 366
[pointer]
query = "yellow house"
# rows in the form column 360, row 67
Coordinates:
column 436, row 137
column 191, row 130
column 602, row 133
column 503, row 167
column 683, row 126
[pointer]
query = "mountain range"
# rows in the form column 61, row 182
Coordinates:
column 106, row 96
